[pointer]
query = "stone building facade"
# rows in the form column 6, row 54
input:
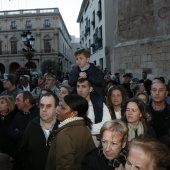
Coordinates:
column 52, row 40
column 142, row 38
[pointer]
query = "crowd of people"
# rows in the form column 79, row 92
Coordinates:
column 90, row 120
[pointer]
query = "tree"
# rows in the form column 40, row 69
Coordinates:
column 50, row 66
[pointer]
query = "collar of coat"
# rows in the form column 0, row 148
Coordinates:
column 74, row 123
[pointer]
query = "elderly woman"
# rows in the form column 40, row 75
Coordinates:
column 147, row 154
column 136, row 118
column 7, row 113
column 72, row 140
column 116, row 99
column 112, row 153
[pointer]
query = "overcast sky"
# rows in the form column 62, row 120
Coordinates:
column 69, row 9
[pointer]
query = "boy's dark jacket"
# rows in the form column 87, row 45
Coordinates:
column 94, row 75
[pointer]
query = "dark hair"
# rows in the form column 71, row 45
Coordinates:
column 47, row 89
column 145, row 72
column 79, row 104
column 85, row 52
column 82, row 80
column 109, row 102
column 12, row 78
column 162, row 79
column 27, row 95
column 56, row 99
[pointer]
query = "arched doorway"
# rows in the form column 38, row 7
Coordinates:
column 13, row 67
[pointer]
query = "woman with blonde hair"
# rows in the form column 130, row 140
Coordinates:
column 111, row 155
column 7, row 113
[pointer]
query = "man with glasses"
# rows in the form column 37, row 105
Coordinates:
column 50, row 83
column 10, row 84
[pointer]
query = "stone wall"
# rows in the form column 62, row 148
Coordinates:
column 143, row 38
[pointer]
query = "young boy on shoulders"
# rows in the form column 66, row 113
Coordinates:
column 87, row 70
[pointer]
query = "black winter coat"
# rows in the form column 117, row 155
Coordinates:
column 34, row 148
column 94, row 75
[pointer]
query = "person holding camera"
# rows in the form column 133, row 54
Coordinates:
column 111, row 154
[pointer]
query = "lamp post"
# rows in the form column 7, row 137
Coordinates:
column 28, row 41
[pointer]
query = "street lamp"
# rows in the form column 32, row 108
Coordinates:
column 28, row 41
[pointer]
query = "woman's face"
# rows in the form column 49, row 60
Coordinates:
column 64, row 111
column 3, row 105
column 133, row 113
column 116, row 97
column 112, row 144
column 138, row 159
column 143, row 97
column 63, row 92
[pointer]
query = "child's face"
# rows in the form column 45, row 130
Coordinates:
column 82, row 60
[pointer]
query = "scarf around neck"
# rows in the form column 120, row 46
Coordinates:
column 120, row 159
column 139, row 130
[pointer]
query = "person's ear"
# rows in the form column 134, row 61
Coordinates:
column 88, row 59
column 91, row 89
column 26, row 101
column 74, row 113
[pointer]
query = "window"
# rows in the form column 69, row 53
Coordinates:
column 99, row 12
column 93, row 19
column 47, row 44
column 13, row 47
column 13, row 25
column 28, row 24
column 47, row 23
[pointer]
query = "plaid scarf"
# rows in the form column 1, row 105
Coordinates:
column 121, row 159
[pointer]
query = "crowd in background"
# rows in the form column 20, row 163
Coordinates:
column 87, row 119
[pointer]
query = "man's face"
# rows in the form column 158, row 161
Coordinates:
column 19, row 102
column 47, row 109
column 82, row 60
column 138, row 159
column 158, row 92
column 49, row 82
column 83, row 89
column 127, row 79
column 132, row 85
column 7, row 84
column 22, row 80
column 144, row 75
column 41, row 82
column 112, row 144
